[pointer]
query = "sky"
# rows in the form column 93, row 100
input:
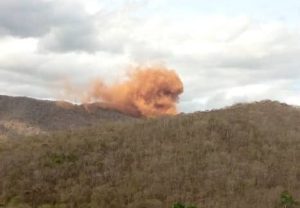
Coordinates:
column 225, row 51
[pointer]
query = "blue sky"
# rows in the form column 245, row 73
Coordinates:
column 288, row 10
column 224, row 51
column 263, row 10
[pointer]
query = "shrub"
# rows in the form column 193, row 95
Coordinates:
column 180, row 205
column 287, row 200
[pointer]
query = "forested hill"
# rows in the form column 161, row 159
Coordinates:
column 244, row 156
column 21, row 116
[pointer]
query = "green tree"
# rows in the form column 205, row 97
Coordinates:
column 287, row 200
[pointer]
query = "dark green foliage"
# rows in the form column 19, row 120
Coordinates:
column 62, row 158
column 180, row 205
column 287, row 200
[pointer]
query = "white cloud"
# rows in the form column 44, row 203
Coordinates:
column 221, row 59
column 12, row 45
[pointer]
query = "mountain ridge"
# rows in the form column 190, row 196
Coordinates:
column 246, row 152
column 21, row 116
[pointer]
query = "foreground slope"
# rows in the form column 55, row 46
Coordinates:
column 21, row 116
column 242, row 156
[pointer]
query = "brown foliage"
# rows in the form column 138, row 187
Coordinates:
column 242, row 156
column 21, row 116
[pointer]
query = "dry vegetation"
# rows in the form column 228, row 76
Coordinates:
column 21, row 116
column 240, row 157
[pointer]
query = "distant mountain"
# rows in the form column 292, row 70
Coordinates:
column 21, row 116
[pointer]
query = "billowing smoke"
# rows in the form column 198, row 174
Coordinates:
column 147, row 92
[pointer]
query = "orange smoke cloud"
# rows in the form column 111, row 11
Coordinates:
column 148, row 91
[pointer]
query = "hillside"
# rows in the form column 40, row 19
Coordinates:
column 21, row 116
column 243, row 156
